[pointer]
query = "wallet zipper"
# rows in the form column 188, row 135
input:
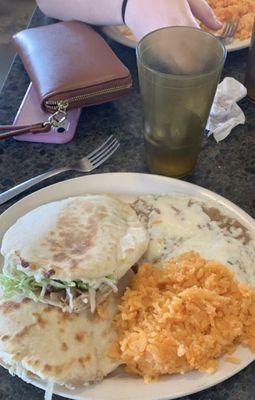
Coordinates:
column 62, row 105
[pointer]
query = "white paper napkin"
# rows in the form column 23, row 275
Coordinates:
column 225, row 113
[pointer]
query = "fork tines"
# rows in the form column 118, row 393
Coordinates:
column 103, row 152
column 230, row 29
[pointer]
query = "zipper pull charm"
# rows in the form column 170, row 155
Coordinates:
column 59, row 118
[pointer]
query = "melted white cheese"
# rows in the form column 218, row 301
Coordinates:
column 178, row 224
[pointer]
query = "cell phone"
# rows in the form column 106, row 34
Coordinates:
column 30, row 111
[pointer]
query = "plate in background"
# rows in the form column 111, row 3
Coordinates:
column 122, row 34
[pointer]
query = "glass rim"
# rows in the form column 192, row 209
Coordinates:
column 183, row 76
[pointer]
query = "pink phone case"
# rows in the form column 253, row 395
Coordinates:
column 30, row 112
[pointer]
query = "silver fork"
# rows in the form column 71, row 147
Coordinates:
column 85, row 164
column 229, row 31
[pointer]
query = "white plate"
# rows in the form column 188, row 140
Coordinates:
column 117, row 33
column 119, row 386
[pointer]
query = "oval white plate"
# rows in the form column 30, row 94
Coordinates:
column 120, row 386
column 117, row 33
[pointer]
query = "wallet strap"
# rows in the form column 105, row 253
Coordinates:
column 55, row 120
column 14, row 130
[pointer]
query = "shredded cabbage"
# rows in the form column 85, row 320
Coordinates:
column 17, row 281
column 43, row 291
column 111, row 283
column 70, row 296
column 92, row 298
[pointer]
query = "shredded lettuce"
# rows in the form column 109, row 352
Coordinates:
column 82, row 285
column 112, row 278
column 17, row 282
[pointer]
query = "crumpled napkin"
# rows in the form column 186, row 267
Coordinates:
column 225, row 113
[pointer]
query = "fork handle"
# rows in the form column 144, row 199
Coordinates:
column 9, row 194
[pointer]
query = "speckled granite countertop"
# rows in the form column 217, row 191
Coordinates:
column 228, row 168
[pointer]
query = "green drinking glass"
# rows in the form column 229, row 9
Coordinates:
column 179, row 69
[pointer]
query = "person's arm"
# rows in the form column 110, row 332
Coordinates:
column 142, row 16
column 95, row 12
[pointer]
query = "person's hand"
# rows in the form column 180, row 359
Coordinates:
column 144, row 16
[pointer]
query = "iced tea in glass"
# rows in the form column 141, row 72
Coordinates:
column 179, row 69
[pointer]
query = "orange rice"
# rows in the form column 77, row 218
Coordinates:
column 229, row 10
column 182, row 317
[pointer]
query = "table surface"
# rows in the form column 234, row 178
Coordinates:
column 227, row 168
